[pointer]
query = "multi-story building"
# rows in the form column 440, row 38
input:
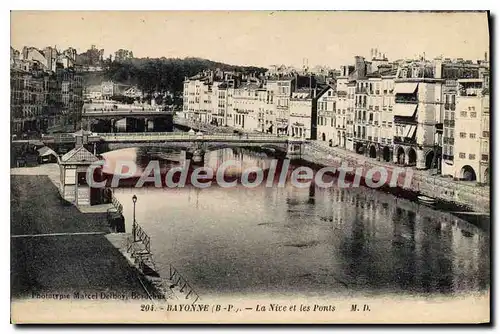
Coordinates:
column 417, row 112
column 304, row 112
column 281, row 88
column 28, row 101
column 192, row 96
column 467, row 156
column 326, row 116
column 71, row 95
column 44, row 93
column 219, row 115
column 351, row 93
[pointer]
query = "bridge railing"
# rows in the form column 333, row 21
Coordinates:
column 145, row 136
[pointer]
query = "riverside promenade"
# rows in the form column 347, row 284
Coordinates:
column 57, row 249
column 467, row 194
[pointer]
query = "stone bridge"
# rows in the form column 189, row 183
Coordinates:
column 198, row 144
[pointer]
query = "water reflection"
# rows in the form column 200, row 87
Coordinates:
column 306, row 240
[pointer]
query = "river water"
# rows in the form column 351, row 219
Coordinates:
column 309, row 241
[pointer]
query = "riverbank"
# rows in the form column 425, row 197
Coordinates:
column 464, row 196
column 58, row 250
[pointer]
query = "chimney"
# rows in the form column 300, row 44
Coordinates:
column 360, row 66
column 438, row 68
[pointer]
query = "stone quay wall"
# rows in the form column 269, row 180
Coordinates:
column 476, row 198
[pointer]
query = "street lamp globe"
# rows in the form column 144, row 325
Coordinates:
column 134, row 199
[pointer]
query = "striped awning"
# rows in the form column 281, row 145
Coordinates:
column 405, row 109
column 405, row 87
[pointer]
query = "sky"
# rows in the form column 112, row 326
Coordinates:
column 260, row 38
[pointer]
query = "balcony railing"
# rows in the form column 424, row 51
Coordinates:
column 404, row 140
column 406, row 100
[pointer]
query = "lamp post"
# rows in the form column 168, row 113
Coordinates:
column 134, row 199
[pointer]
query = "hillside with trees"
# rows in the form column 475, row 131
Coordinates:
column 165, row 74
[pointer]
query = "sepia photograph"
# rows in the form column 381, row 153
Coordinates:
column 250, row 167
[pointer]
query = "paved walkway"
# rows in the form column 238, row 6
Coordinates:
column 57, row 249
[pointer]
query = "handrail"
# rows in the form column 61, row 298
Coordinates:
column 142, row 236
column 179, row 280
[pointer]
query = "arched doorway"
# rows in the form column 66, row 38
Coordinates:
column 467, row 173
column 323, row 137
column 359, row 148
column 401, row 155
column 386, row 154
column 429, row 160
column 486, row 178
column 412, row 156
column 373, row 151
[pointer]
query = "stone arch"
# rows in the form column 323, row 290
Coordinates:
column 386, row 154
column 373, row 151
column 467, row 173
column 359, row 148
column 412, row 156
column 429, row 159
column 400, row 154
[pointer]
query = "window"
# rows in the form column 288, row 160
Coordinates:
column 484, row 157
column 472, row 156
column 463, row 113
column 472, row 135
column 461, row 155
column 473, row 114
column 463, row 135
column 486, row 133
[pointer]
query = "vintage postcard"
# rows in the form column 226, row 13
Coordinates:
column 250, row 167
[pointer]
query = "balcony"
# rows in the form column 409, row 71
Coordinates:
column 404, row 140
column 406, row 99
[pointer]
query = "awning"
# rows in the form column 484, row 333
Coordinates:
column 405, row 109
column 44, row 151
column 409, row 131
column 405, row 87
